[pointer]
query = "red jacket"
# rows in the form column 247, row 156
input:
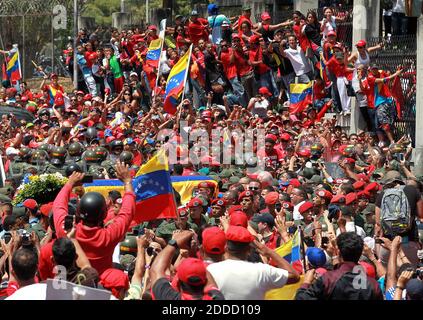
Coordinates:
column 98, row 243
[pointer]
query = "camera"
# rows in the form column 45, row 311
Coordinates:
column 25, row 236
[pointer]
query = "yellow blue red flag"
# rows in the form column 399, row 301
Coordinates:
column 153, row 53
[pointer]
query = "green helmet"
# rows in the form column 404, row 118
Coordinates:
column 39, row 155
column 44, row 147
column 90, row 156
column 126, row 157
column 25, row 152
column 101, row 153
column 75, row 149
column 129, row 245
column 58, row 152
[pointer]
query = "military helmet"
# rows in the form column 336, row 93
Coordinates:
column 58, row 152
column 115, row 144
column 129, row 245
column 101, row 153
column 126, row 157
column 39, row 155
column 73, row 167
column 25, row 152
column 91, row 133
column 44, row 147
column 92, row 207
column 90, row 156
column 75, row 149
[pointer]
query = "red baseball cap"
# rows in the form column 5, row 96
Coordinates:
column 264, row 91
column 195, row 202
column 114, row 280
column 359, row 185
column 361, row 43
column 285, row 136
column 192, row 271
column 271, row 198
column 245, row 194
column 238, row 218
column 271, row 137
column 339, row 198
column 239, row 234
column 30, row 204
column 235, row 35
column 305, row 152
column 46, row 208
column 350, row 198
column 214, row 240
column 295, row 183
column 305, row 207
column 331, row 33
column 265, row 16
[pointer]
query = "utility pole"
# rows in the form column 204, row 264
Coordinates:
column 418, row 151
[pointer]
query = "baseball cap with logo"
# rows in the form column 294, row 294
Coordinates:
column 195, row 202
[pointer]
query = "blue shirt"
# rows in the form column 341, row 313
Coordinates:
column 215, row 22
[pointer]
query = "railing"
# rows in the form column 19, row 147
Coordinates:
column 401, row 51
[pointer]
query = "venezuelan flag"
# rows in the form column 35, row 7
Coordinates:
column 153, row 53
column 301, row 95
column 13, row 68
column 186, row 186
column 176, row 82
column 290, row 250
column 287, row 292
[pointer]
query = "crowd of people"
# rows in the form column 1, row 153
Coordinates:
column 362, row 220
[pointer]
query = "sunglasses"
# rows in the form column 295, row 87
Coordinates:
column 360, row 47
column 253, row 188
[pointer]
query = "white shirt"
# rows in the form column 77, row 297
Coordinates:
column 243, row 280
column 298, row 60
column 296, row 213
column 36, row 291
column 351, row 227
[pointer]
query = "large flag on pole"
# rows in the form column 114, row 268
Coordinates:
column 176, row 82
column 300, row 97
column 153, row 188
column 153, row 53
column 13, row 68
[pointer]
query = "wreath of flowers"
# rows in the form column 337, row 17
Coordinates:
column 43, row 188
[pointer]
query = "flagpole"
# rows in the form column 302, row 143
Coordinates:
column 161, row 50
column 186, row 73
column 302, row 248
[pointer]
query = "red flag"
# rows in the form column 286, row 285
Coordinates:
column 398, row 95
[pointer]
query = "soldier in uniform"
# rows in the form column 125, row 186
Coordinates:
column 92, row 164
column 369, row 214
column 90, row 135
column 306, row 211
column 57, row 161
column 75, row 151
column 166, row 229
column 20, row 164
column 218, row 209
column 127, row 157
column 39, row 158
column 116, row 148
column 196, row 213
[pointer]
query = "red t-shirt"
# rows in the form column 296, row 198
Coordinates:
column 339, row 70
column 242, row 66
column 256, row 56
column 271, row 159
column 228, row 67
column 198, row 30
column 304, row 42
column 241, row 20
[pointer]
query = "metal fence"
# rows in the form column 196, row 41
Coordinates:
column 29, row 24
column 401, row 51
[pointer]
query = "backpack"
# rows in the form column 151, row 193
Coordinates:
column 395, row 213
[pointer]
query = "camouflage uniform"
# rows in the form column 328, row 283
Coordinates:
column 166, row 229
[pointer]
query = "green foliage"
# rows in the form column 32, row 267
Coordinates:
column 101, row 10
